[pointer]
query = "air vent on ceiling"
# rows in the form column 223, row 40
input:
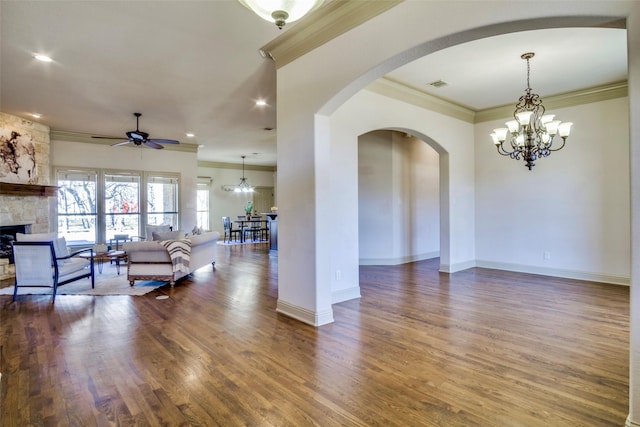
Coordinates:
column 438, row 83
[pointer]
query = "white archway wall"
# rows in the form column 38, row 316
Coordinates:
column 369, row 111
column 398, row 199
column 323, row 79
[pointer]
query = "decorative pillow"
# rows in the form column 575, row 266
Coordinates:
column 169, row 235
column 156, row 228
column 196, row 231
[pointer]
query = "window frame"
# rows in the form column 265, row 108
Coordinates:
column 204, row 184
column 101, row 214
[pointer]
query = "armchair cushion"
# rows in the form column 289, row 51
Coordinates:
column 59, row 243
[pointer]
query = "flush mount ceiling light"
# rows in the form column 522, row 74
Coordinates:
column 244, row 186
column 281, row 11
column 530, row 135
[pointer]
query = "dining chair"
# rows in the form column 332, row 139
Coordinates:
column 256, row 228
column 228, row 229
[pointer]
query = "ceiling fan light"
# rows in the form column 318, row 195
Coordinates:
column 281, row 11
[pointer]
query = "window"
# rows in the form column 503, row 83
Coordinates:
column 95, row 205
column 202, row 206
column 162, row 201
column 77, row 210
column 121, row 201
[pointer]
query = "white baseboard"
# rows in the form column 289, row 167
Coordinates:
column 398, row 260
column 345, row 294
column 452, row 268
column 556, row 272
column 304, row 315
column 629, row 423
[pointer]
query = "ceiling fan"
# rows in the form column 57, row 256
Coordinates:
column 138, row 137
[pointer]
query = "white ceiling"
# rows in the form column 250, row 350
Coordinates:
column 193, row 66
column 490, row 72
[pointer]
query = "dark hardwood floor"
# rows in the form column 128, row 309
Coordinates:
column 420, row 348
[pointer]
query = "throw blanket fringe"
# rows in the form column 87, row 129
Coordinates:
column 180, row 254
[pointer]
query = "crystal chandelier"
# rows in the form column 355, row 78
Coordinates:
column 530, row 135
column 281, row 11
column 244, row 186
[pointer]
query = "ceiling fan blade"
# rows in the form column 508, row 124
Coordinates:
column 164, row 141
column 107, row 137
column 152, row 144
column 120, row 143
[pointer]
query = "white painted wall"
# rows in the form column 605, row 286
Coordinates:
column 398, row 192
column 225, row 203
column 574, row 204
column 86, row 155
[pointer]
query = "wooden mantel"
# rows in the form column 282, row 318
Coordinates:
column 13, row 189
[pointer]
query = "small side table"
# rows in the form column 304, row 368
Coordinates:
column 117, row 256
column 100, row 257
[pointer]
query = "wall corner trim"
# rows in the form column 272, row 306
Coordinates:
column 313, row 318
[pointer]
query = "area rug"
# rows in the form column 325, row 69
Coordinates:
column 107, row 283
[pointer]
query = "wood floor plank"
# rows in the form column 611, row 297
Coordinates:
column 420, row 348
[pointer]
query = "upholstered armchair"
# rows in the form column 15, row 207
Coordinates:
column 37, row 265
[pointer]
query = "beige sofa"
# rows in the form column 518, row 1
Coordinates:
column 150, row 260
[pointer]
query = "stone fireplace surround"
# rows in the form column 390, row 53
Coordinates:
column 28, row 204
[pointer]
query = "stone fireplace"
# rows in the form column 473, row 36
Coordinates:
column 32, row 203
column 8, row 235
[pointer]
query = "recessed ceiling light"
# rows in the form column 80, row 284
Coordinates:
column 43, row 58
column 190, row 135
column 36, row 115
column 261, row 103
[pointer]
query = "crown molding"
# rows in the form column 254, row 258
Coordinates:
column 63, row 135
column 401, row 92
column 235, row 166
column 404, row 93
column 567, row 99
column 321, row 26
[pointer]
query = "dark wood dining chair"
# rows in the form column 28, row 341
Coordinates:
column 228, row 229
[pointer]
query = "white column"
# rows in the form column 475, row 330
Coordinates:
column 633, row 45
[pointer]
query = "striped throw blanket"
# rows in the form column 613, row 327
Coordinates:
column 180, row 254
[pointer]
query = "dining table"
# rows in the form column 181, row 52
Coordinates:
column 242, row 225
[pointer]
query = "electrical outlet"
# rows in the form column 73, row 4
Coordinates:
column 338, row 275
column 546, row 255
